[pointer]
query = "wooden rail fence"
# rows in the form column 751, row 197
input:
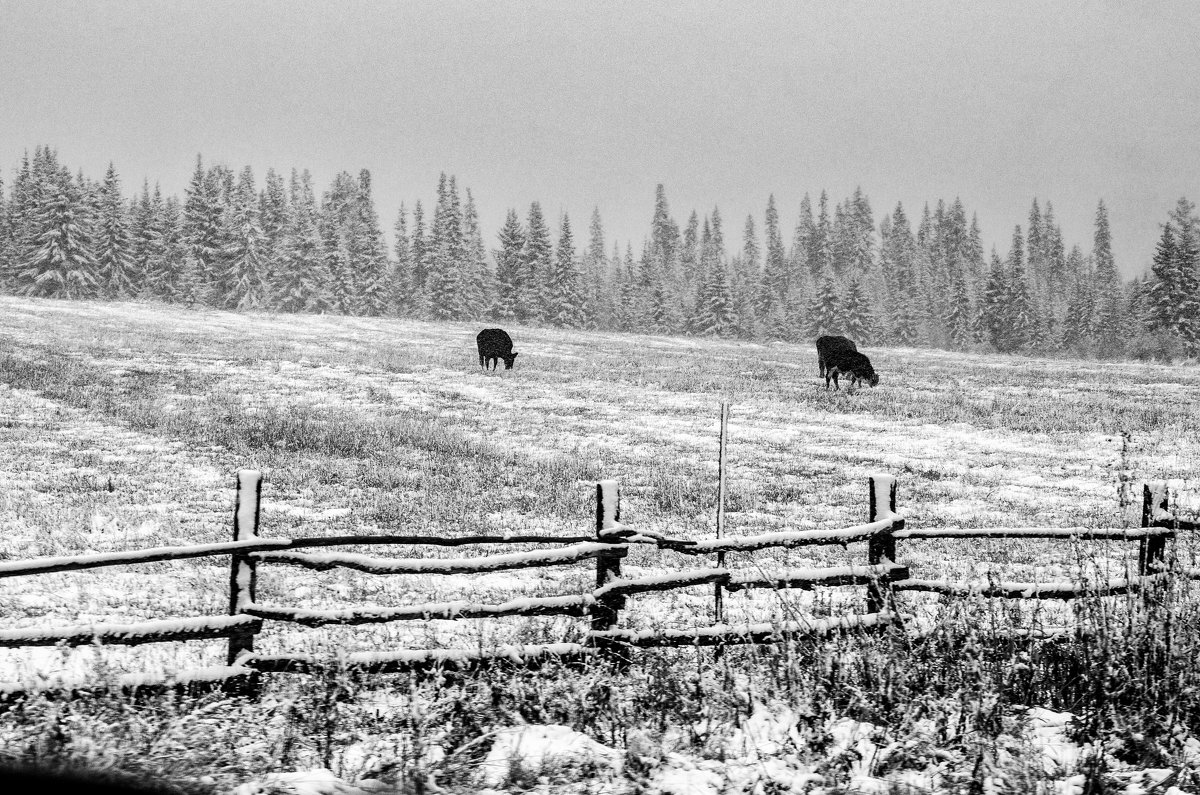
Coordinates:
column 603, row 606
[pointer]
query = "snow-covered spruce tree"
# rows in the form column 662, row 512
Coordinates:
column 19, row 220
column 300, row 280
column 201, row 237
column 63, row 265
column 1187, row 269
column 802, row 241
column 441, row 279
column 823, row 314
column 143, row 239
column 1173, row 299
column 273, row 214
column 245, row 255
column 1077, row 332
column 369, row 254
column 795, row 310
column 660, row 276
column 337, row 204
column 776, row 276
column 481, row 280
column 566, row 300
column 536, row 265
column 7, row 247
column 1109, row 302
column 167, row 264
column 689, row 266
column 714, row 314
column 223, row 185
column 978, row 328
column 667, row 295
column 958, row 319
column 1161, row 312
column 632, row 312
column 510, row 268
column 774, row 326
column 116, row 274
column 904, row 319
column 612, row 294
column 449, row 279
column 897, row 256
column 418, row 300
column 624, row 286
column 820, row 256
column 597, row 304
column 1055, row 254
column 1021, row 312
column 339, row 223
column 642, row 308
column 861, row 225
column 841, row 242
column 1036, row 268
column 995, row 306
column 1188, row 257
column 858, row 322
column 932, row 273
column 745, row 273
column 402, row 272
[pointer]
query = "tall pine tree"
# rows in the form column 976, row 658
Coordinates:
column 115, row 270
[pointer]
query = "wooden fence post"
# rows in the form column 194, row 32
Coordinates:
column 608, row 567
column 881, row 548
column 1152, row 550
column 243, row 574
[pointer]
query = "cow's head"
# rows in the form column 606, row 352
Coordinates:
column 874, row 379
column 508, row 360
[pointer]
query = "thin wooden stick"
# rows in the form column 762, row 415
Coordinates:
column 718, row 595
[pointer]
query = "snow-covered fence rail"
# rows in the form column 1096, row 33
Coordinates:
column 372, row 565
column 1158, row 526
column 607, row 547
column 879, row 571
column 603, row 605
column 198, row 628
column 246, row 617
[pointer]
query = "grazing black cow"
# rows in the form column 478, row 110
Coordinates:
column 850, row 363
column 827, row 346
column 494, row 344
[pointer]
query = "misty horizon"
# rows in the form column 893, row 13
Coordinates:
column 580, row 108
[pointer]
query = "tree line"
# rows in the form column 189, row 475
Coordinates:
column 230, row 243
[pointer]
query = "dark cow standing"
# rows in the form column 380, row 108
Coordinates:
column 852, row 364
column 827, row 346
column 494, row 344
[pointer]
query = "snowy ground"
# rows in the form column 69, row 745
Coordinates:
column 164, row 405
column 974, row 441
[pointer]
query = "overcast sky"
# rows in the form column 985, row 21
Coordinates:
column 591, row 104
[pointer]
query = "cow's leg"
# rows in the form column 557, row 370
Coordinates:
column 828, row 375
column 835, row 381
column 481, row 361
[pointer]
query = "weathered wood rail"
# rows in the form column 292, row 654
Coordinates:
column 1158, row 526
column 603, row 606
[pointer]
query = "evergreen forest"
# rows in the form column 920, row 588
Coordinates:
column 919, row 280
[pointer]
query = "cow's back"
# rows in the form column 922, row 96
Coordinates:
column 494, row 339
column 831, row 344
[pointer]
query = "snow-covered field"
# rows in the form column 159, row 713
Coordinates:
column 122, row 426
